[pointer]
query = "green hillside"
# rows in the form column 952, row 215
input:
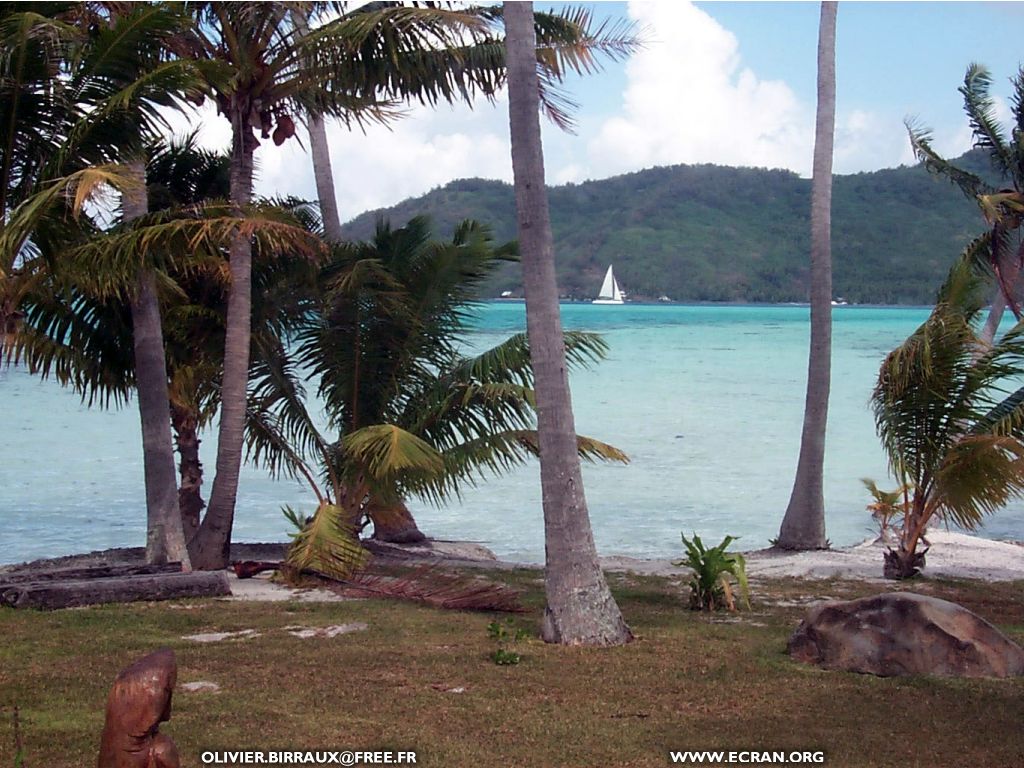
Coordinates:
column 712, row 233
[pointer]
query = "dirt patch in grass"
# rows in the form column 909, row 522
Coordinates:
column 689, row 682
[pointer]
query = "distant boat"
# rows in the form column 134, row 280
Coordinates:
column 506, row 294
column 610, row 291
column 839, row 302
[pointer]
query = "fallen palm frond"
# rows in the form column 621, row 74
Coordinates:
column 431, row 584
column 325, row 544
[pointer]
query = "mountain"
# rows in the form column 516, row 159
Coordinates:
column 713, row 233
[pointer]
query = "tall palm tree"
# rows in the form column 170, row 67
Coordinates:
column 580, row 607
column 803, row 526
column 952, row 434
column 83, row 335
column 112, row 81
column 269, row 73
column 1003, row 255
column 149, row 29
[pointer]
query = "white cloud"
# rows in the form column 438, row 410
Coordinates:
column 690, row 100
column 426, row 149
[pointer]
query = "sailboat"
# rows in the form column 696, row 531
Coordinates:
column 610, row 291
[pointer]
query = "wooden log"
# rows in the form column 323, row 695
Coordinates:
column 50, row 595
column 83, row 573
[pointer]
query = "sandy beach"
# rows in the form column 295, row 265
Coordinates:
column 952, row 556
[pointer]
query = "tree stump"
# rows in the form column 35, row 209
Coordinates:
column 139, row 701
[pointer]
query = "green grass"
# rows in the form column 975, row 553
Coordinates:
column 689, row 682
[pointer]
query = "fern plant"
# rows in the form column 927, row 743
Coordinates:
column 713, row 570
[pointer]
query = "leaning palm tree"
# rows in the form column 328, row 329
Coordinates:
column 1002, row 256
column 580, row 607
column 803, row 526
column 408, row 412
column 951, row 431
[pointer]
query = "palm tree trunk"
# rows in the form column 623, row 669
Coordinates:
column 580, row 607
column 803, row 526
column 995, row 316
column 165, row 539
column 190, row 469
column 321, row 152
column 393, row 522
column 324, row 176
column 1009, row 272
column 212, row 544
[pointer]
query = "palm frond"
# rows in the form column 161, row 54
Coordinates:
column 588, row 448
column 280, row 435
column 969, row 183
column 980, row 109
column 979, row 475
column 389, row 453
column 108, row 261
column 431, row 584
column 327, row 545
column 67, row 194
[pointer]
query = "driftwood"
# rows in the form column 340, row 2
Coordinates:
column 79, row 574
column 49, row 595
column 139, row 701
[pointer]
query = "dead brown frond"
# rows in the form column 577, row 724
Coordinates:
column 432, row 584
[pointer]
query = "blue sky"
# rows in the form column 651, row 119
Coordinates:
column 720, row 82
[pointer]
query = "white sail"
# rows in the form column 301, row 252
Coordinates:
column 610, row 291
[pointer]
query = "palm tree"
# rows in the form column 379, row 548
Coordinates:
column 112, row 82
column 952, row 434
column 580, row 607
column 270, row 72
column 83, row 336
column 803, row 526
column 408, row 413
column 567, row 41
column 1003, row 256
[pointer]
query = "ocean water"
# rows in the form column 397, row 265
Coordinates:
column 706, row 400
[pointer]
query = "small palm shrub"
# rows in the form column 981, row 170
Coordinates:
column 713, row 570
column 949, row 419
column 888, row 508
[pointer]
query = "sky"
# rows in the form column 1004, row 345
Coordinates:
column 730, row 83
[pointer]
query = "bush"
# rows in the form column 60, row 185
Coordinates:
column 713, row 571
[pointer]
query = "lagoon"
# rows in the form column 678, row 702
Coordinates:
column 707, row 400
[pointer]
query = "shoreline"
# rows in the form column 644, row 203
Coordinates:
column 952, row 555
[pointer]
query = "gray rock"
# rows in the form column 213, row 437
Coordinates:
column 903, row 633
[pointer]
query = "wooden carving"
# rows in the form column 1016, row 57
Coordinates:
column 139, row 701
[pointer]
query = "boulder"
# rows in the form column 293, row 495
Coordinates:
column 903, row 633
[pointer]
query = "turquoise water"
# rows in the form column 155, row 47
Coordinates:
column 706, row 400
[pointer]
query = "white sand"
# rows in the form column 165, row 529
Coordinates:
column 260, row 589
column 952, row 555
